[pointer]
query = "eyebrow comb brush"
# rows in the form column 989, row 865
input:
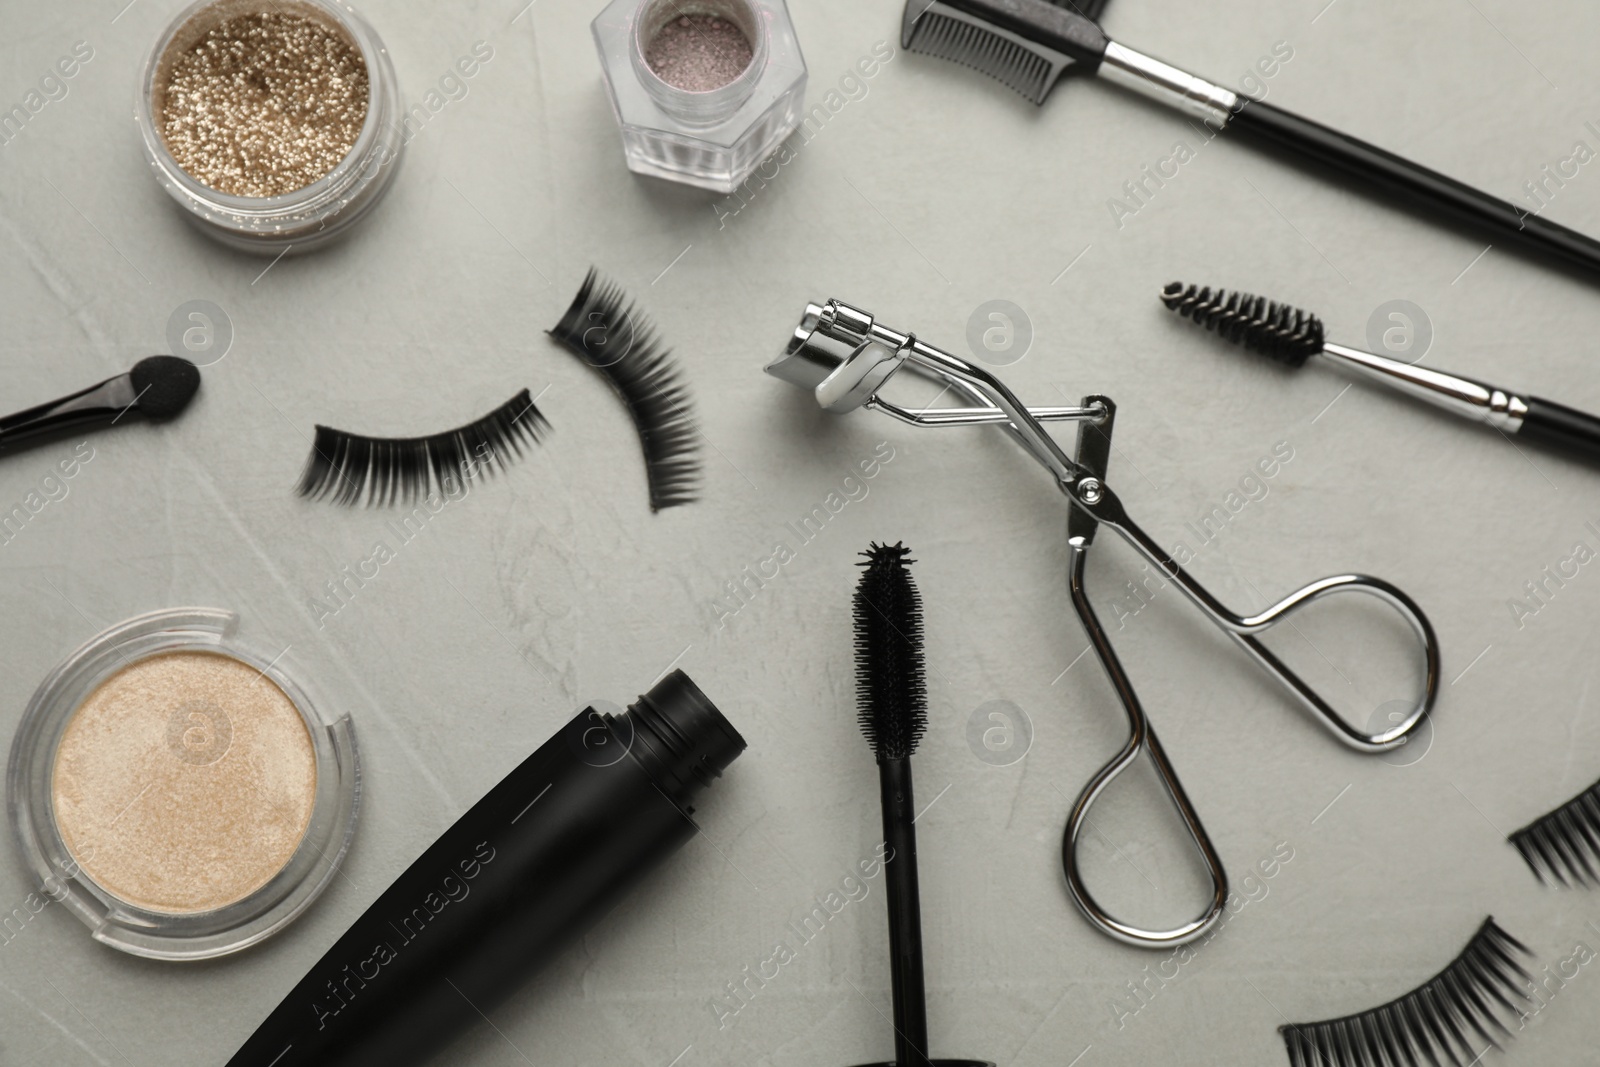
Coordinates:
column 1030, row 44
column 1291, row 337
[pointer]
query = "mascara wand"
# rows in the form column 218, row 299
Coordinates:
column 892, row 706
column 1291, row 337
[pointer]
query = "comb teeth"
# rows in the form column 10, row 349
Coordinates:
column 1277, row 331
column 983, row 50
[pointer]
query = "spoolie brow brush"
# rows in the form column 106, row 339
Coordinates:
column 1030, row 44
column 1292, row 336
column 158, row 387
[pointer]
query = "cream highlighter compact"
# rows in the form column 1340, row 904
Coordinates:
column 180, row 794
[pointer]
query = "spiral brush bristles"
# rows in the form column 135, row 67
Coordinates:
column 1278, row 331
column 891, row 691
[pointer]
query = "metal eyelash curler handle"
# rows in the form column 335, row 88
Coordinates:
column 845, row 357
column 1094, row 454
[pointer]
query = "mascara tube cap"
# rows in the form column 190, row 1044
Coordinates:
column 680, row 737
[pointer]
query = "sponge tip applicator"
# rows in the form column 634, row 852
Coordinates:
column 164, row 385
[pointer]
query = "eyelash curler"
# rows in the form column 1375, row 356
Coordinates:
column 845, row 357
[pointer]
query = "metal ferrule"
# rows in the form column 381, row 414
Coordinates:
column 1464, row 396
column 1166, row 83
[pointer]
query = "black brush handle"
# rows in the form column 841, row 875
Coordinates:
column 1555, row 424
column 98, row 403
column 905, row 914
column 1416, row 184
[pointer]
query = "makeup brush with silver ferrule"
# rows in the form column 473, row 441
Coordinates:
column 1030, row 44
column 1291, row 336
column 158, row 387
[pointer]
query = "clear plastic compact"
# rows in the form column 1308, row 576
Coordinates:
column 177, row 791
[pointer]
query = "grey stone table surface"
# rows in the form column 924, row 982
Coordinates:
column 927, row 192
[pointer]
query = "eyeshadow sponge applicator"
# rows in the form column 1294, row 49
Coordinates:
column 158, row 387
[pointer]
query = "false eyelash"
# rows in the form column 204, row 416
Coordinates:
column 608, row 332
column 1419, row 1027
column 1563, row 842
column 350, row 469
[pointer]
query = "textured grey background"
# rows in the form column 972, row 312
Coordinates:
column 937, row 191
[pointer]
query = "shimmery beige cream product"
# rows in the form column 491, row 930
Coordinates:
column 168, row 737
column 179, row 792
column 275, row 122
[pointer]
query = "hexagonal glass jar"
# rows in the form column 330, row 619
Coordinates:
column 711, row 139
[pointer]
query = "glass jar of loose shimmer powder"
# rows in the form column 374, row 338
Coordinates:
column 704, row 90
column 177, row 792
column 275, row 123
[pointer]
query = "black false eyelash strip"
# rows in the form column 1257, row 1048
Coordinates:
column 1565, row 843
column 607, row 331
column 1429, row 1024
column 350, row 469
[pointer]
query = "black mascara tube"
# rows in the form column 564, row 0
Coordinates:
column 531, row 867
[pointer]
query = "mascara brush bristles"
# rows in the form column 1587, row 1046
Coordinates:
column 350, row 469
column 607, row 331
column 891, row 687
